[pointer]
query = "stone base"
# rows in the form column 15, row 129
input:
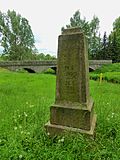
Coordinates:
column 72, row 115
column 54, row 130
column 71, row 118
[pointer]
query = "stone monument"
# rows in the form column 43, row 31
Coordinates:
column 73, row 108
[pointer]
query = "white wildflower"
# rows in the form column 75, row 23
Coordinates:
column 26, row 102
column 15, row 128
column 31, row 105
column 25, row 114
column 15, row 120
column 61, row 140
column 20, row 156
column 112, row 115
column 48, row 133
column 20, row 126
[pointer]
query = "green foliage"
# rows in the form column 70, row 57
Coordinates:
column 23, row 116
column 106, row 48
column 113, row 77
column 114, row 67
column 42, row 56
column 90, row 29
column 49, row 71
column 111, row 44
column 17, row 37
column 103, row 52
column 111, row 73
column 116, row 28
column 114, row 44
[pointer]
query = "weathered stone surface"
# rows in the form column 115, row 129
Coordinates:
column 71, row 116
column 72, row 76
column 73, row 108
column 54, row 130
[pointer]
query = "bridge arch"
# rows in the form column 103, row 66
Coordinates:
column 29, row 70
column 54, row 68
column 91, row 69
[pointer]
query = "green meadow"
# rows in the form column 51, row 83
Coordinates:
column 25, row 101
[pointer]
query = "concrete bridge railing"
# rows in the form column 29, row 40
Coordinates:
column 94, row 64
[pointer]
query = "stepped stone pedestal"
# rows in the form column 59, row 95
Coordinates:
column 74, row 108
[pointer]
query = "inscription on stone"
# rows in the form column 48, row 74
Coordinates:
column 70, row 66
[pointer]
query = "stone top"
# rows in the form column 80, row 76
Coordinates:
column 72, row 30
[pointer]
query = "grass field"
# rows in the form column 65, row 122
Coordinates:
column 24, row 109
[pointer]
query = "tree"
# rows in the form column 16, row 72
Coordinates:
column 115, row 36
column 17, row 37
column 94, row 38
column 90, row 29
column 43, row 57
column 114, row 47
column 103, row 52
column 111, row 49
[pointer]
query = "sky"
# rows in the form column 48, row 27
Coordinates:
column 46, row 17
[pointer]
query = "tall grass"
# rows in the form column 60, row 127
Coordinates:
column 25, row 101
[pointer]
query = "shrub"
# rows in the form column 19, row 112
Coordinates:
column 115, row 67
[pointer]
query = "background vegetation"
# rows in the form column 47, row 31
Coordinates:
column 17, row 37
column 107, row 47
column 18, row 40
column 110, row 73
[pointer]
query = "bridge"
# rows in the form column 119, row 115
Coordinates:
column 39, row 66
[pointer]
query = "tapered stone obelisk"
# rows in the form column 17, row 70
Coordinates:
column 73, row 108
